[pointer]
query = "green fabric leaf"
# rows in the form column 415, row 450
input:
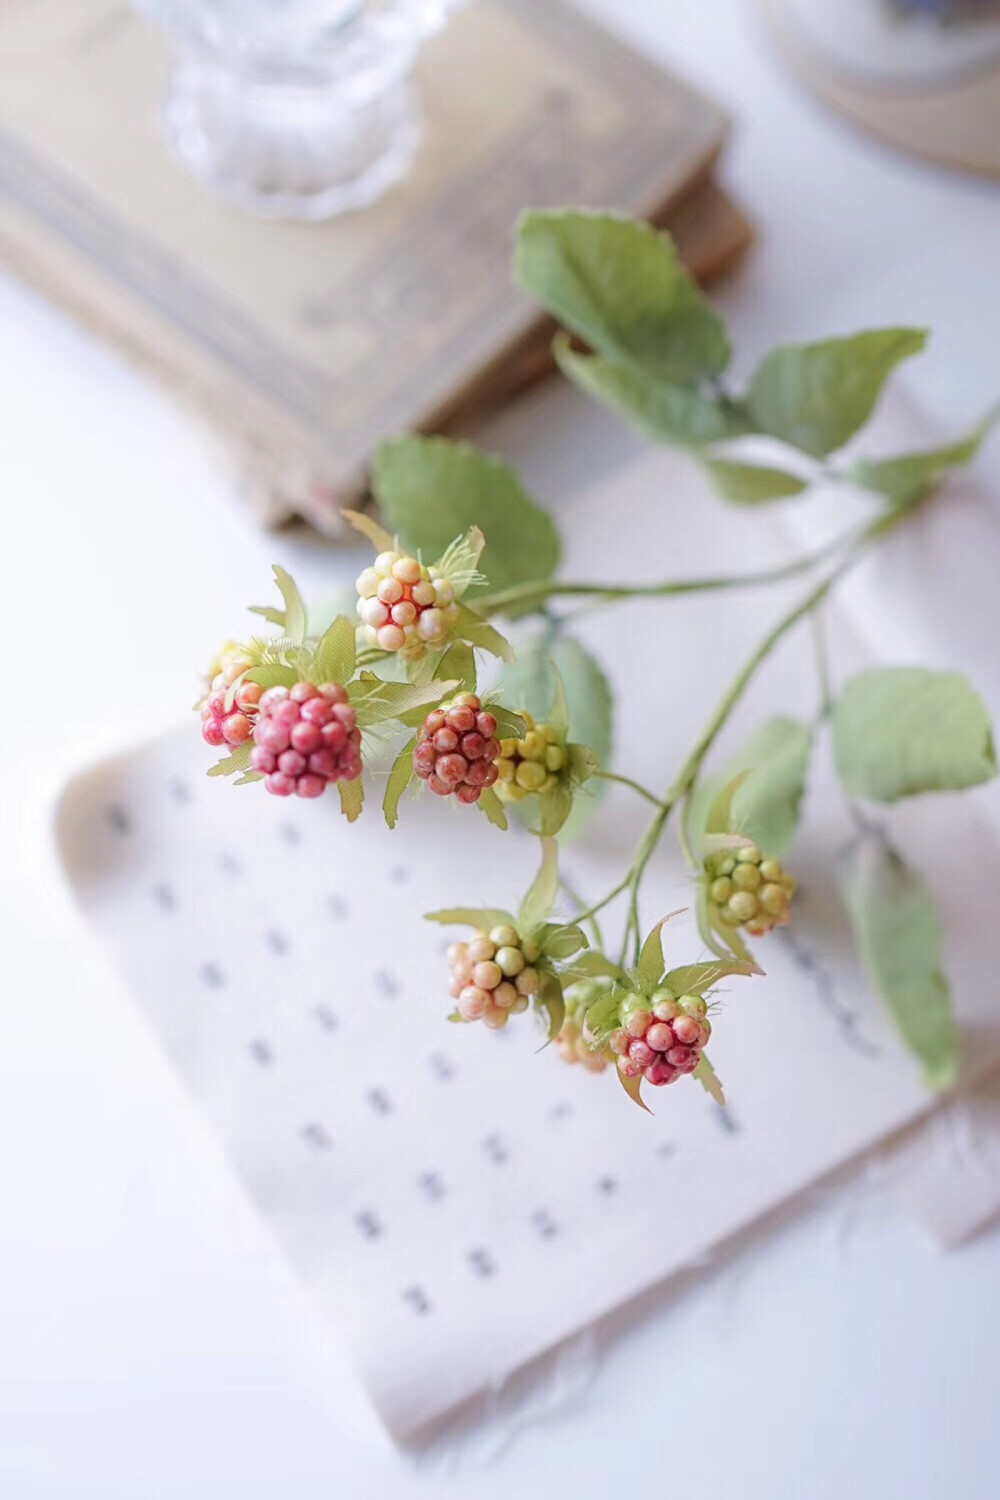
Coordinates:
column 707, row 1077
column 588, row 696
column 374, row 701
column 237, row 760
column 765, row 804
column 510, row 726
column 399, row 779
column 369, row 527
column 632, row 1087
column 674, row 414
column 481, row 634
column 333, row 659
column 271, row 615
column 295, row 610
column 482, row 918
column 621, row 286
column 272, row 675
column 493, row 809
column 553, row 810
column 560, row 941
column 352, row 797
column 698, row 979
column 248, row 777
column 433, row 490
column 649, row 971
column 899, row 731
column 751, row 484
column 909, row 477
column 550, row 1000
column 898, row 936
column 816, row 396
column 459, row 665
column 583, row 763
column 541, row 896
column 591, row 965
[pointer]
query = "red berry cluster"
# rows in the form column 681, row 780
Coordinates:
column 306, row 738
column 662, row 1038
column 457, row 749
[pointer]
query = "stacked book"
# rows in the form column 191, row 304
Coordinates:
column 305, row 344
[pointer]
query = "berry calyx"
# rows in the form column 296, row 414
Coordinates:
column 573, row 1040
column 404, row 606
column 745, row 889
column 530, row 765
column 305, row 738
column 457, row 748
column 661, row 1038
column 491, row 977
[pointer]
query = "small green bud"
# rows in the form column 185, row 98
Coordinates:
column 694, row 1005
column 749, row 855
column 531, row 951
column 721, row 890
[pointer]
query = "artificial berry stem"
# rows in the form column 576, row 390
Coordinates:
column 632, row 785
column 536, row 592
column 872, row 533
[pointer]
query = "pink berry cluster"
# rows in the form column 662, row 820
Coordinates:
column 492, row 977
column 661, row 1038
column 405, row 606
column 232, row 724
column 457, row 749
column 306, row 738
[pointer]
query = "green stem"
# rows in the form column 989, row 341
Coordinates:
column 536, row 592
column 627, row 781
column 689, row 771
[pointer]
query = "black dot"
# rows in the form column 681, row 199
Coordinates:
column 119, row 819
column 316, row 1135
column 482, row 1263
column 212, row 975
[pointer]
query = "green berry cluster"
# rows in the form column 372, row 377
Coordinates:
column 747, row 890
column 530, row 765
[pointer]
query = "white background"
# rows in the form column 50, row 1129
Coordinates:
column 152, row 1341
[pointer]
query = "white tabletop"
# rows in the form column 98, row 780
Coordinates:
column 154, row 1342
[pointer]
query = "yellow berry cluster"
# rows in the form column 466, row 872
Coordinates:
column 530, row 765
column 749, row 891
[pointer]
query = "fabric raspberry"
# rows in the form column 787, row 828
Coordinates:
column 232, row 725
column 404, row 606
column 529, row 765
column 457, row 748
column 746, row 890
column 493, row 976
column 662, row 1038
column 305, row 739
column 572, row 1041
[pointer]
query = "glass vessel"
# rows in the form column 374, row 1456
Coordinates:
column 295, row 109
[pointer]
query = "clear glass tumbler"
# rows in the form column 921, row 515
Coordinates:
column 296, row 109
